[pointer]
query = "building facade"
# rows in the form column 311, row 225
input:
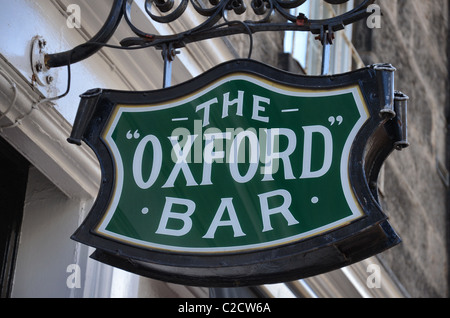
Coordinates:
column 415, row 188
column 49, row 185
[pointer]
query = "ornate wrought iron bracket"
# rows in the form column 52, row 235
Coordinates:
column 221, row 18
column 221, row 10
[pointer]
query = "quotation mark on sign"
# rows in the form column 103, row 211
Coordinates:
column 338, row 119
column 134, row 135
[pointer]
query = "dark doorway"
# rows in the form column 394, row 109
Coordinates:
column 13, row 183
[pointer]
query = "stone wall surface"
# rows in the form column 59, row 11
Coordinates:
column 414, row 38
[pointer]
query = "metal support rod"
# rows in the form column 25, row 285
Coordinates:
column 326, row 37
column 325, row 58
column 168, row 53
column 167, row 80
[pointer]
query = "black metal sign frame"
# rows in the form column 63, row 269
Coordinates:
column 384, row 131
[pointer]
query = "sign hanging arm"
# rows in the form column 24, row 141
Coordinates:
column 168, row 53
column 326, row 38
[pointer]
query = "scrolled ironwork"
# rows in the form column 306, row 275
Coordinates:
column 217, row 23
column 165, row 6
column 216, row 10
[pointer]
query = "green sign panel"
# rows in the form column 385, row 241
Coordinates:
column 243, row 175
column 240, row 164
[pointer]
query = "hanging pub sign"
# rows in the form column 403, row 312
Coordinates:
column 244, row 175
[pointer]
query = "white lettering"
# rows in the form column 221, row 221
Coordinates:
column 137, row 162
column 169, row 214
column 307, row 152
column 198, row 308
column 210, row 155
column 206, row 106
column 225, row 204
column 283, row 208
column 181, row 163
column 227, row 103
column 234, row 155
column 272, row 145
column 257, row 108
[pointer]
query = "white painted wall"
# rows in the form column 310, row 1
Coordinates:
column 45, row 248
